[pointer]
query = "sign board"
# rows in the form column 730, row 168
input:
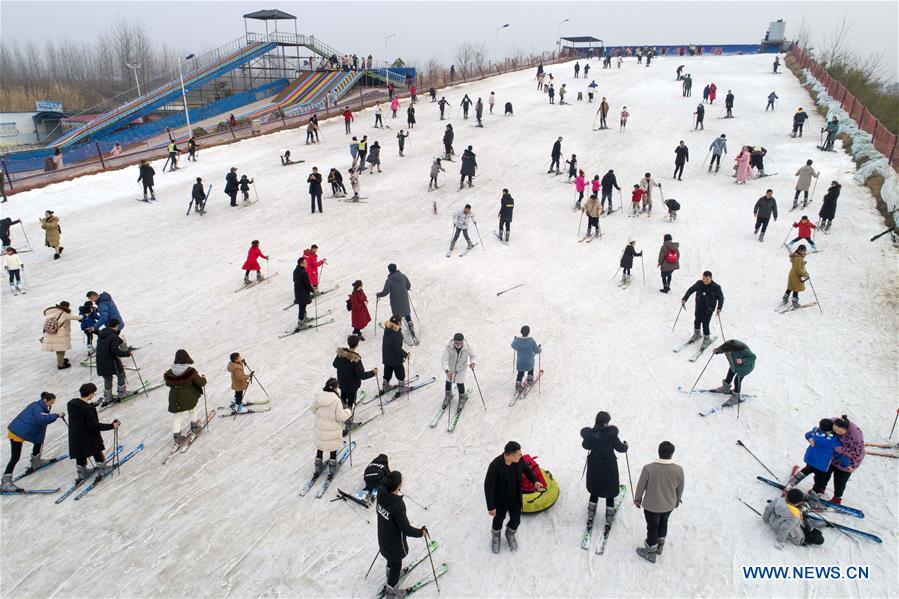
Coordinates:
column 46, row 106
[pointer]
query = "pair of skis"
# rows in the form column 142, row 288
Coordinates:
column 440, row 571
column 452, row 421
column 709, row 411
column 695, row 356
column 791, row 308
column 125, row 458
column 79, row 482
column 251, row 406
column 525, row 389
column 311, row 323
column 588, row 532
column 250, row 284
column 319, row 294
column 189, row 439
column 449, row 252
column 202, row 207
column 341, row 458
column 31, row 471
column 146, row 389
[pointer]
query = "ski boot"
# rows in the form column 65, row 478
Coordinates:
column 610, row 515
column 332, row 467
column 495, row 541
column 511, row 540
column 648, row 552
column 448, row 396
column 471, row 245
column 762, row 237
column 518, row 386
column 794, row 480
column 462, row 400
column 591, row 514
column 706, row 341
column 530, row 380
column 179, row 438
column 103, row 470
column 38, row 462
column 785, row 299
column 7, row 485
column 81, row 473
column 394, row 592
column 301, row 326
column 238, row 408
column 319, row 466
column 837, row 500
column 195, row 427
column 733, row 400
column 107, row 398
column 660, row 546
column 386, row 388
column 246, row 279
column 795, row 303
column 724, row 388
column 695, row 336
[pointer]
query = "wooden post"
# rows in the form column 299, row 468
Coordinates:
column 100, row 155
column 231, row 130
column 9, row 179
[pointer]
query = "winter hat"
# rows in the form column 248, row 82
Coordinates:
column 391, row 267
column 182, row 357
column 602, row 419
column 458, row 337
column 795, row 496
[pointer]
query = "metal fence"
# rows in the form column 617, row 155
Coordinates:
column 883, row 139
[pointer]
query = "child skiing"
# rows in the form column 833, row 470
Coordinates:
column 506, row 206
column 354, row 184
column 572, row 167
column 636, row 197
column 13, row 266
column 592, row 209
column 252, row 263
column 627, row 260
column 240, row 382
column 786, row 516
column 525, row 349
column 673, row 206
column 805, row 227
column 436, row 168
column 401, row 140
column 580, row 184
column 245, row 189
column 821, row 451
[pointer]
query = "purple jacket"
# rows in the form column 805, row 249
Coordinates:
column 853, row 448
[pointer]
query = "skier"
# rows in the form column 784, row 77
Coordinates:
column 13, row 266
column 592, row 209
column 572, row 167
column 448, row 136
column 358, row 307
column 354, row 184
column 244, row 184
column 378, row 122
column 506, row 205
column 145, row 177
column 106, row 308
column 374, row 157
column 682, row 156
column 819, row 454
column 363, row 151
column 669, row 261
column 436, row 168
column 57, row 332
column 198, row 197
column 705, row 93
column 30, row 425
column 608, row 182
column 709, row 301
column 394, row 106
column 786, row 515
column 466, row 102
column 330, row 416
column 310, row 132
column 601, row 443
column 729, row 104
column 562, row 92
column 646, row 184
column 460, row 222
column 375, row 474
column 393, row 528
column 551, row 92
column 591, row 91
column 673, row 206
column 829, row 206
column 627, row 260
column 556, row 156
column 832, row 128
column 251, row 264
column 302, row 293
column 413, row 94
column 622, row 125
column 603, row 112
column 502, row 490
column 285, row 158
column 577, row 69
column 798, row 121
column 680, row 70
column 757, row 159
column 314, row 121
column 764, row 209
column 803, row 183
column 776, row 63
column 5, row 224
column 191, row 149
column 659, row 492
column 410, row 116
column 338, row 189
column 797, row 277
column 636, row 196
column 508, row 110
column 354, row 150
column 393, row 356
column 85, row 433
column 315, row 189
column 52, row 233
column 771, row 98
column 586, row 70
column 240, row 382
column 700, row 116
column 852, row 446
column 687, row 86
column 173, row 156
column 491, row 100
column 397, row 286
column 718, row 147
column 595, row 185
column 456, row 356
column 525, row 349
column 479, row 112
column 432, row 92
column 231, row 186
column 744, row 170
column 580, row 185
column 805, row 227
column 469, row 166
column 442, row 104
column 110, row 349
column 347, row 119
column 713, row 91
column 312, row 264
column 401, row 140
column 186, row 385
column 350, row 374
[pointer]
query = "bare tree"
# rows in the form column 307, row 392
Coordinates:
column 464, row 56
column 835, row 49
column 479, row 55
column 432, row 67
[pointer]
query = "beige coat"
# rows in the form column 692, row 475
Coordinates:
column 52, row 229
column 805, row 174
column 240, row 381
column 62, row 340
column 661, row 486
column 329, row 418
column 593, row 207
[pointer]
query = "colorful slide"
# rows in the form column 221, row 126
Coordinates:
column 308, row 89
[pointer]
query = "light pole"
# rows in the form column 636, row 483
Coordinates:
column 558, row 35
column 387, row 38
column 134, row 68
column 184, row 94
column 496, row 42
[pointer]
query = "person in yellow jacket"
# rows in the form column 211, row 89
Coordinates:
column 797, row 277
column 52, row 232
column 240, row 381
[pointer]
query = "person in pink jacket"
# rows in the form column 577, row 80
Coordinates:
column 252, row 262
column 594, row 185
column 395, row 105
column 853, row 447
column 744, row 171
column 713, row 90
column 312, row 264
column 580, row 184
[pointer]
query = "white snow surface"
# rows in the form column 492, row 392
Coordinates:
column 224, row 519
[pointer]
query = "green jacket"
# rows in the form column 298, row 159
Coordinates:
column 185, row 388
column 737, row 350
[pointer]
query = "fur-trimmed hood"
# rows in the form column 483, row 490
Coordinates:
column 348, row 354
column 390, row 326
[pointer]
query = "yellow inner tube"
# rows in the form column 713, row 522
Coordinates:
column 537, row 502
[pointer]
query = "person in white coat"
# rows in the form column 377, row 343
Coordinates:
column 457, row 358
column 57, row 335
column 328, row 431
column 460, row 221
column 13, row 266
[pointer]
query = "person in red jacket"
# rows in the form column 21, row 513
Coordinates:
column 312, row 264
column 636, row 198
column 413, row 91
column 359, row 310
column 347, row 119
column 252, row 262
column 713, row 89
column 805, row 227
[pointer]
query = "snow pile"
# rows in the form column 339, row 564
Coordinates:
column 225, row 518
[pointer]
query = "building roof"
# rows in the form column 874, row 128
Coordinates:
column 581, row 39
column 269, row 15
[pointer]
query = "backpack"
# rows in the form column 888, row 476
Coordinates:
column 51, row 325
column 671, row 256
column 349, row 305
column 526, row 485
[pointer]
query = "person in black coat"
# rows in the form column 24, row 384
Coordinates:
column 375, row 475
column 681, row 157
column 556, row 156
column 393, row 528
column 231, row 185
column 829, row 206
column 110, row 348
column 469, row 167
column 448, row 136
column 602, row 466
column 608, row 182
column 506, row 206
column 146, row 178
column 85, row 428
column 627, row 260
column 502, row 489
column 302, row 293
column 198, row 196
column 393, row 356
column 315, row 188
column 709, row 301
column 350, row 372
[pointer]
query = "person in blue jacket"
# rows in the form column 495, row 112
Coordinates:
column 106, row 309
column 89, row 323
column 31, row 426
column 525, row 349
column 822, row 443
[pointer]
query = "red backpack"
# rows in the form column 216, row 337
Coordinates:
column 526, row 485
column 671, row 256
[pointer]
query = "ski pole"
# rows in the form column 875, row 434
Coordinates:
column 253, row 376
column 616, row 273
column 814, row 187
column 620, row 201
column 380, row 399
column 892, row 430
column 721, row 326
column 377, row 553
column 788, row 237
column 377, row 299
column 255, row 193
column 706, row 158
column 813, row 292
column 479, row 388
column 832, row 525
column 585, row 465
column 580, row 221
column 431, row 559
column 26, row 236
column 349, row 433
column 700, row 375
column 205, row 407
column 514, row 358
column 749, row 506
column 499, row 293
column 481, row 241
column 115, row 443
column 539, row 371
column 682, row 307
column 141, row 378
column 414, row 311
column 643, row 271
column 740, row 443
column 412, row 499
column 627, row 460
column 315, row 299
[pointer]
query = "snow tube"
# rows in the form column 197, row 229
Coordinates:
column 538, row 502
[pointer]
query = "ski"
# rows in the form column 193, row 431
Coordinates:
column 328, row 290
column 455, row 419
column 883, row 454
column 357, row 425
column 441, row 570
column 227, row 412
column 469, row 248
column 359, row 200
column 873, row 444
column 341, row 458
column 854, row 531
column 32, row 492
column 130, row 396
column 31, row 471
column 404, row 573
column 309, row 484
column 308, row 327
column 409, row 389
column 601, row 547
column 695, row 356
column 124, row 459
column 791, row 308
column 607, row 213
column 498, row 236
column 525, row 389
column 834, row 506
column 255, row 283
column 191, row 437
column 718, row 408
column 683, row 389
column 344, row 496
column 436, row 419
column 78, row 483
column 683, row 345
column 625, row 283
column 384, row 392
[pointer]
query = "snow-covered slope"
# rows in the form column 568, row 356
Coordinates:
column 225, row 518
